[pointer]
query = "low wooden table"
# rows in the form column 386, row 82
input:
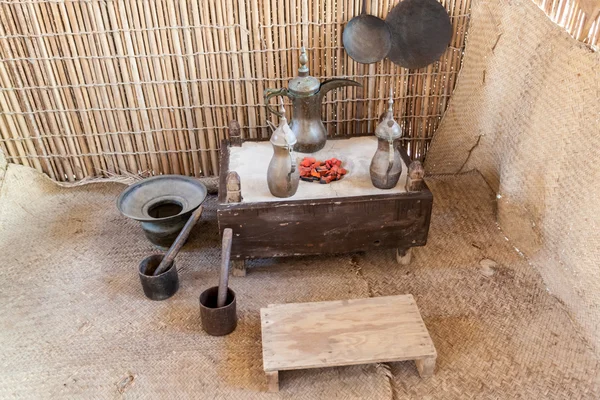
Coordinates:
column 344, row 332
column 345, row 216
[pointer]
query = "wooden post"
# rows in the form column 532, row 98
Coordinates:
column 234, row 195
column 426, row 366
column 414, row 180
column 234, row 188
column 273, row 381
column 235, row 133
column 403, row 256
column 238, row 268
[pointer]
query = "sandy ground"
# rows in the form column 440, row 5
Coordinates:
column 74, row 322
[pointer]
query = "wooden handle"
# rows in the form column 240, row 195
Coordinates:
column 179, row 242
column 225, row 257
column 274, row 92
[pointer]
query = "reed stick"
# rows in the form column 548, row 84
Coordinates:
column 78, row 18
column 139, row 95
column 235, row 62
column 224, row 71
column 215, row 70
column 141, row 46
column 125, row 69
column 195, row 96
column 185, row 95
column 251, row 93
column 341, row 128
column 57, row 69
column 259, row 62
column 205, row 99
column 106, row 120
column 76, row 76
column 268, row 44
column 63, row 99
column 8, row 130
column 111, row 68
column 16, row 123
column 161, row 68
column 72, row 167
column 19, row 75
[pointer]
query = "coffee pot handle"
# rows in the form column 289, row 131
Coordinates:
column 293, row 161
column 271, row 93
column 390, row 156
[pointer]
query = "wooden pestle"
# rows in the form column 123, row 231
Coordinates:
column 225, row 257
column 178, row 243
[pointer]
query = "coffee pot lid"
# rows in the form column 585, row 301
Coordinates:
column 304, row 84
column 388, row 128
column 283, row 136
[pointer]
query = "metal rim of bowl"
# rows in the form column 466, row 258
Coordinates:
column 131, row 188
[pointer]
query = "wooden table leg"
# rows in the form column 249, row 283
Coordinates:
column 238, row 267
column 403, row 256
column 273, row 381
column 426, row 366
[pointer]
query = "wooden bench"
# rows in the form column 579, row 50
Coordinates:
column 344, row 332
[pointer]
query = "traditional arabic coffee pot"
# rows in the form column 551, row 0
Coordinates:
column 386, row 165
column 307, row 93
column 283, row 175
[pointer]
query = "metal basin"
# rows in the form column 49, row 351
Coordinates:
column 162, row 204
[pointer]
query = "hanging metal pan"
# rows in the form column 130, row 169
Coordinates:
column 421, row 31
column 366, row 38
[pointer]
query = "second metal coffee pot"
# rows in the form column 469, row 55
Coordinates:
column 386, row 165
column 283, row 175
column 307, row 93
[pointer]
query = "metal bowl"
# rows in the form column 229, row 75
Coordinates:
column 162, row 204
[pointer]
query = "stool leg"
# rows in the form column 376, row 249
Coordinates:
column 403, row 256
column 426, row 366
column 238, row 267
column 273, row 381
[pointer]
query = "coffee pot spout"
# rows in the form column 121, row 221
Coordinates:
column 332, row 84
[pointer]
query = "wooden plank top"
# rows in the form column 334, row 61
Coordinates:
column 343, row 332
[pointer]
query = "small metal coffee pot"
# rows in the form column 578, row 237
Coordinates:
column 386, row 165
column 307, row 95
column 283, row 175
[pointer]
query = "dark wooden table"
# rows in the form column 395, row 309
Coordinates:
column 291, row 227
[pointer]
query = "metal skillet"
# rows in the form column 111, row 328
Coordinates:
column 366, row 38
column 421, row 31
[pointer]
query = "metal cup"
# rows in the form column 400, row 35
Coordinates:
column 158, row 287
column 218, row 321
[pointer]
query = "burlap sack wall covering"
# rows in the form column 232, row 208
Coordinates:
column 526, row 114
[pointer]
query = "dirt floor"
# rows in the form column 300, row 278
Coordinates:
column 74, row 322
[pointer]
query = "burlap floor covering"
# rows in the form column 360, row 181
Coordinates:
column 74, row 322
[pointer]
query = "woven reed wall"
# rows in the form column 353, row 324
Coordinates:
column 581, row 18
column 531, row 129
column 93, row 88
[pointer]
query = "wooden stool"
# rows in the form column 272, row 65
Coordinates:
column 344, row 332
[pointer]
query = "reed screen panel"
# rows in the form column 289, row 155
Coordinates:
column 581, row 18
column 101, row 88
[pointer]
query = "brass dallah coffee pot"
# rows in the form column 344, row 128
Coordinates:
column 283, row 175
column 386, row 165
column 307, row 93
